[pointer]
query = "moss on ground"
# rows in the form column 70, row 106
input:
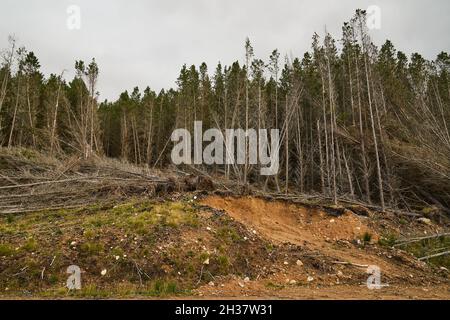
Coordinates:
column 138, row 247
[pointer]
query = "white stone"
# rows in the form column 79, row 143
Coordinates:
column 425, row 221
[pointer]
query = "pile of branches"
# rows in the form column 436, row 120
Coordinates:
column 31, row 182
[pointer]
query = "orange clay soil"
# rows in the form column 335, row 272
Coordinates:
column 335, row 238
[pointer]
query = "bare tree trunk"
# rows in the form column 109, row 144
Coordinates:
column 300, row 149
column 349, row 175
column 16, row 106
column 227, row 166
column 91, row 141
column 352, row 103
column 325, row 125
column 333, row 150
column 322, row 178
column 52, row 137
column 286, row 143
column 30, row 116
column 383, row 150
column 124, row 137
column 361, row 136
column 246, row 126
column 149, row 137
column 372, row 122
column 135, row 142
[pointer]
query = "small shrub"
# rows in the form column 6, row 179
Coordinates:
column 91, row 248
column 10, row 218
column 97, row 221
column 53, row 279
column 224, row 263
column 5, row 250
column 367, row 237
column 387, row 240
column 162, row 288
column 274, row 286
column 91, row 291
column 89, row 234
column 30, row 245
column 228, row 234
column 117, row 251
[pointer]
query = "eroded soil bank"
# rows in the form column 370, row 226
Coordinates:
column 342, row 247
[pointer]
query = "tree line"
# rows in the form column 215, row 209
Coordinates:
column 355, row 120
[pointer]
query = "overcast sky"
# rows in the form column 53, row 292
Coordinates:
column 146, row 42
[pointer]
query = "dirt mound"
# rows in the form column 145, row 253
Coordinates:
column 283, row 222
column 342, row 239
column 342, row 247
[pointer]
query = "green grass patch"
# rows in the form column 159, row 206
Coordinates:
column 169, row 214
column 163, row 288
column 5, row 250
column 428, row 247
column 387, row 240
column 228, row 234
column 30, row 245
column 274, row 286
column 91, row 248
